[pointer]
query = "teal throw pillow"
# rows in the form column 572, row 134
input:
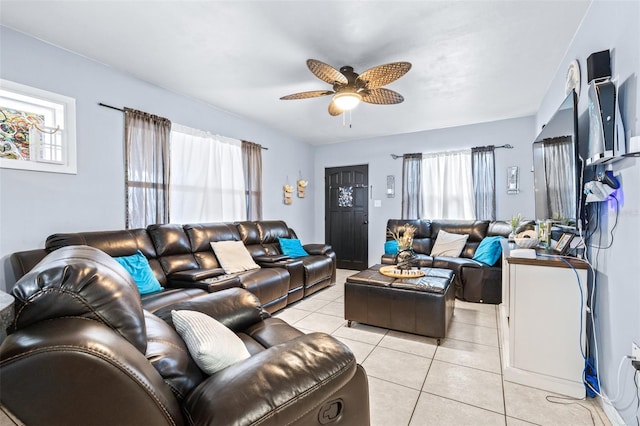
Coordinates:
column 391, row 247
column 489, row 250
column 292, row 247
column 138, row 266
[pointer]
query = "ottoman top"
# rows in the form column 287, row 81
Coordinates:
column 435, row 280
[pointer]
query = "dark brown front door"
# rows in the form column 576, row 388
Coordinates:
column 346, row 214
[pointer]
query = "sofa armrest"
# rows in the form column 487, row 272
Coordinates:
column 276, row 386
column 388, row 259
column 271, row 258
column 236, row 308
column 317, row 248
column 71, row 370
column 195, row 274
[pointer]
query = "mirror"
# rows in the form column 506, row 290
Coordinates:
column 555, row 164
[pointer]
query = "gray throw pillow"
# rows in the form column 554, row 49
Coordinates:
column 449, row 245
column 211, row 345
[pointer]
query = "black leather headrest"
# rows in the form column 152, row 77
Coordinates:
column 81, row 281
column 271, row 230
column 124, row 242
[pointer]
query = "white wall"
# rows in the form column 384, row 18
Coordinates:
column 376, row 152
column 34, row 205
column 613, row 25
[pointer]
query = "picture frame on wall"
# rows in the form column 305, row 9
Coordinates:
column 513, row 180
column 37, row 129
column 563, row 243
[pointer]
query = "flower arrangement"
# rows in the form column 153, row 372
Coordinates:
column 515, row 222
column 404, row 239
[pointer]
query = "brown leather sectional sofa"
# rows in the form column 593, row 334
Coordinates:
column 83, row 349
column 181, row 257
column 474, row 281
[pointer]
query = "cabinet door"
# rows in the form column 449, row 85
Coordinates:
column 545, row 321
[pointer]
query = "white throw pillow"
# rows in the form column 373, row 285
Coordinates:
column 233, row 256
column 449, row 245
column 211, row 345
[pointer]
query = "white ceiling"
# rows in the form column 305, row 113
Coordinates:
column 473, row 61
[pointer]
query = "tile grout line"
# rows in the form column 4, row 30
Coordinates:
column 466, row 403
column 423, row 383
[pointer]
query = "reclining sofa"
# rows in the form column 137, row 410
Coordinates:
column 181, row 257
column 474, row 281
column 83, row 350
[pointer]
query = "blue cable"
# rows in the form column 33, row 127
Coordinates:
column 584, row 357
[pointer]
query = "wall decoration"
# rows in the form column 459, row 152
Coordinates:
column 302, row 184
column 288, row 194
column 345, row 196
column 37, row 129
column 513, row 180
column 391, row 186
column 573, row 78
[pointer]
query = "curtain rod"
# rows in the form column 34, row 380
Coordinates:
column 122, row 110
column 109, row 106
column 507, row 146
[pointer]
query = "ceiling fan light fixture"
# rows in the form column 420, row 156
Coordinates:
column 347, row 101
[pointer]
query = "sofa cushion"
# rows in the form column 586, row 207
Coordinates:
column 211, row 345
column 202, row 234
column 271, row 230
column 138, row 267
column 391, row 247
column 489, row 250
column 168, row 354
column 233, row 256
column 292, row 247
column 449, row 245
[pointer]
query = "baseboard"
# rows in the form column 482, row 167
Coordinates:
column 611, row 412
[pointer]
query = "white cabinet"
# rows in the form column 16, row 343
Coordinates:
column 543, row 323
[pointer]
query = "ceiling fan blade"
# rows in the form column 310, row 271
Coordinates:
column 333, row 109
column 382, row 75
column 381, row 96
column 326, row 72
column 306, row 95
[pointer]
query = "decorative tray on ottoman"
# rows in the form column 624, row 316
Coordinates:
column 395, row 272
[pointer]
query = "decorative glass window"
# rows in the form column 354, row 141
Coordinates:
column 37, row 129
column 345, row 196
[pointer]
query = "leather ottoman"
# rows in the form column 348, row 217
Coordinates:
column 421, row 306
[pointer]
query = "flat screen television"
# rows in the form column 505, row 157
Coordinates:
column 557, row 166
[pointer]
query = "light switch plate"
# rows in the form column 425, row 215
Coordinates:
column 377, row 203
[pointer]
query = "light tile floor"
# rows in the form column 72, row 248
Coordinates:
column 412, row 381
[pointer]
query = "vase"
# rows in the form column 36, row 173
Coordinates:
column 405, row 259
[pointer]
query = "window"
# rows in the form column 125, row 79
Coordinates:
column 37, row 129
column 447, row 185
column 207, row 178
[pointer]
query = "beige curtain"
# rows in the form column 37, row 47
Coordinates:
column 146, row 168
column 252, row 166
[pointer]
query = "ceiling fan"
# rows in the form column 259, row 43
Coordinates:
column 350, row 88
